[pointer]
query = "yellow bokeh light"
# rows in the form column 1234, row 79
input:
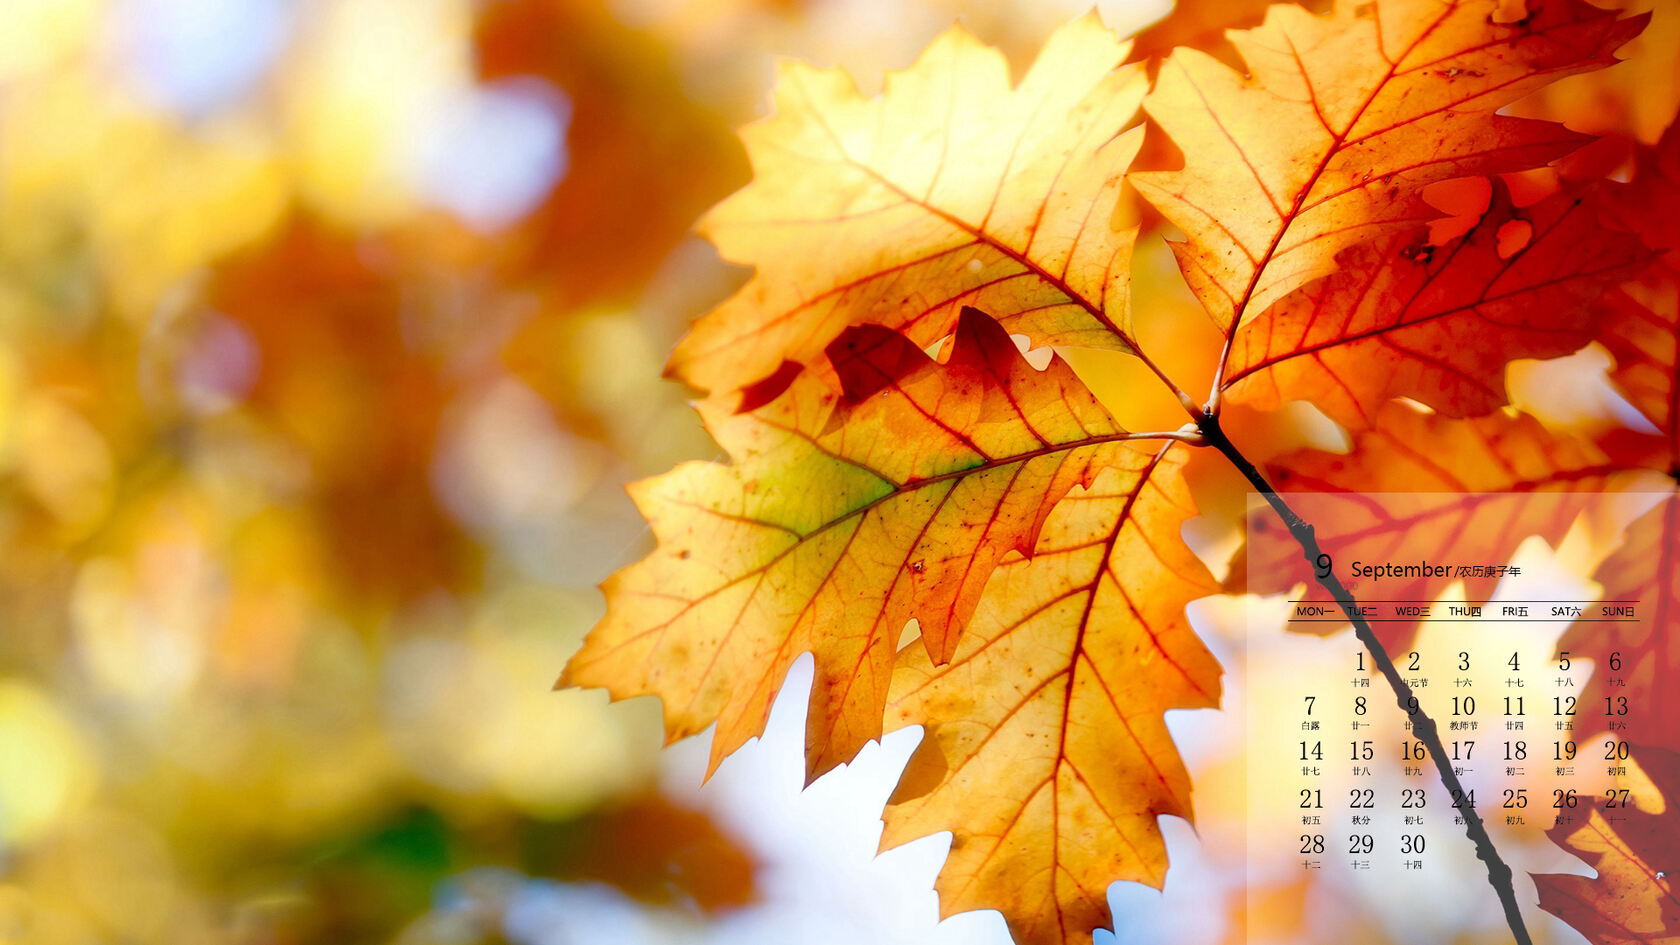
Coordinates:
column 359, row 99
column 35, row 33
column 48, row 769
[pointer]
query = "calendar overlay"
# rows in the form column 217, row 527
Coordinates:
column 1471, row 597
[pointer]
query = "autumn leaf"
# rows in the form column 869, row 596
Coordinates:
column 1636, row 660
column 1341, row 123
column 949, row 189
column 1045, row 751
column 1641, row 321
column 656, row 851
column 1438, row 324
column 1641, row 327
column 1423, row 487
column 842, row 517
column 643, row 159
column 1204, row 24
column 1034, row 544
column 342, row 377
column 1632, row 898
column 1631, row 103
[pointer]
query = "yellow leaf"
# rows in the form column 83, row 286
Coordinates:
column 949, row 189
column 1045, row 750
column 841, row 518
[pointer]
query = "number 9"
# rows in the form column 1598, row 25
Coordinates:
column 1323, row 563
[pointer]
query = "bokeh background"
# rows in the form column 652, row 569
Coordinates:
column 330, row 331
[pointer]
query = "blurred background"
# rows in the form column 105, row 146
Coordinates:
column 330, row 331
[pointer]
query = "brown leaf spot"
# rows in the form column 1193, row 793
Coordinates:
column 763, row 391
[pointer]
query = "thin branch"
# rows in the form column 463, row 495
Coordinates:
column 1499, row 873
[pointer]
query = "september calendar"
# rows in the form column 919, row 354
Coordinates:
column 1493, row 706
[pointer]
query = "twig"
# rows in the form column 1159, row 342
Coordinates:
column 1499, row 874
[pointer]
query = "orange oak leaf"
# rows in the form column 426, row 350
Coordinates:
column 842, row 517
column 1641, row 321
column 1045, row 751
column 360, row 398
column 654, row 850
column 949, row 189
column 1632, row 899
column 1029, row 538
column 1438, row 324
column 1204, row 24
column 1341, row 123
column 1641, row 327
column 643, row 158
column 1637, row 661
column 1635, row 101
column 1423, row 487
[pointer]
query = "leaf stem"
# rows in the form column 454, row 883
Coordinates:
column 1499, row 873
column 1212, row 406
column 1189, row 436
